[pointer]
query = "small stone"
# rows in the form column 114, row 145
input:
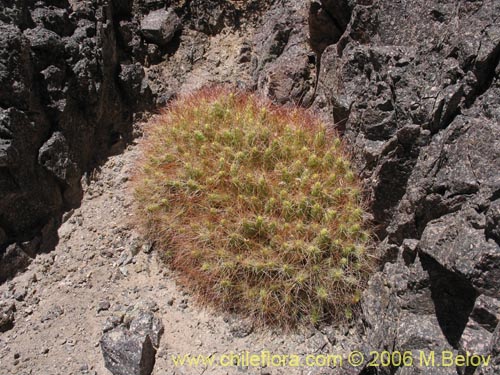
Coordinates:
column 241, row 328
column 123, row 271
column 106, row 253
column 7, row 311
column 148, row 305
column 147, row 247
column 103, row 306
column 54, row 313
column 112, row 322
column 19, row 295
column 147, row 324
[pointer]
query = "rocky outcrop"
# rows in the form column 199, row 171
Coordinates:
column 418, row 100
column 67, row 97
column 283, row 64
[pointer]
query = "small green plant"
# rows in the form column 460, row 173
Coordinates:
column 256, row 206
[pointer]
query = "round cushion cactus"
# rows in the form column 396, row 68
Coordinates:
column 256, row 207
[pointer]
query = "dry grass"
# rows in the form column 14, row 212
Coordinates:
column 256, row 206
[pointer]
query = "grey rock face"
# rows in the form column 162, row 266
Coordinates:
column 134, row 85
column 462, row 249
column 283, row 62
column 486, row 312
column 159, row 26
column 413, row 85
column 493, row 221
column 420, row 105
column 55, row 157
column 15, row 67
column 63, row 106
column 327, row 22
column 146, row 324
column 208, row 16
column 130, row 349
column 494, row 350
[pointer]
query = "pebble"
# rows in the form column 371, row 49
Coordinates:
column 147, row 247
column 84, row 369
column 112, row 322
column 103, row 306
column 123, row 271
column 20, row 295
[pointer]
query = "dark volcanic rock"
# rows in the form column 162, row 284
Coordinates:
column 208, row 16
column 420, row 105
column 414, row 86
column 13, row 259
column 54, row 19
column 460, row 247
column 159, row 26
column 16, row 69
column 65, row 101
column 146, row 324
column 126, row 353
column 134, row 85
column 54, row 156
column 493, row 221
column 327, row 22
column 131, row 349
column 486, row 312
column 284, row 64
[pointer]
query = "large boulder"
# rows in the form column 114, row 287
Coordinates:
column 130, row 348
column 126, row 353
column 160, row 26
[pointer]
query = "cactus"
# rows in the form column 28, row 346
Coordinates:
column 257, row 208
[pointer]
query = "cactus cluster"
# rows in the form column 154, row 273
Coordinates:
column 256, row 206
